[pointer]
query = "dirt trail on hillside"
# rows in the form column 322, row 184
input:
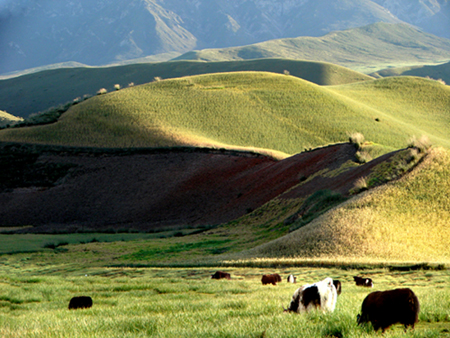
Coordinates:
column 149, row 191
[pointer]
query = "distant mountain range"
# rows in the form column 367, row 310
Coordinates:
column 98, row 32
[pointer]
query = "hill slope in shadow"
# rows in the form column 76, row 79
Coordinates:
column 60, row 189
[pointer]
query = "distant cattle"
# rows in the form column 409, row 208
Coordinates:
column 292, row 279
column 385, row 308
column 321, row 295
column 337, row 284
column 221, row 275
column 81, row 302
column 271, row 279
column 360, row 281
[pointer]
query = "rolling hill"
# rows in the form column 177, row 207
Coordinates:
column 438, row 72
column 261, row 110
column 280, row 113
column 375, row 47
column 388, row 223
column 35, row 92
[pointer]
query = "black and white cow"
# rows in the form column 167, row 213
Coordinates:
column 361, row 281
column 292, row 279
column 321, row 295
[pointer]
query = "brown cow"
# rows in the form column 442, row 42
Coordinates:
column 81, row 302
column 221, row 275
column 385, row 308
column 360, row 281
column 271, row 279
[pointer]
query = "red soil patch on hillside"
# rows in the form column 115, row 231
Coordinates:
column 163, row 189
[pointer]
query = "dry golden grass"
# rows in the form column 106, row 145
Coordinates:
column 403, row 221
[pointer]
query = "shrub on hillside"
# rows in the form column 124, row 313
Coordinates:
column 360, row 185
column 117, row 86
column 363, row 156
column 102, row 91
column 422, row 144
column 357, row 139
column 48, row 116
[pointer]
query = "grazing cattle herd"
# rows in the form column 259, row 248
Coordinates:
column 381, row 308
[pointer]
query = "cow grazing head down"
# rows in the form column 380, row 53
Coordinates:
column 221, row 275
column 360, row 281
column 81, row 302
column 271, row 279
column 321, row 295
column 292, row 279
column 385, row 308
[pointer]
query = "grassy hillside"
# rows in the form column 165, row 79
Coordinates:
column 364, row 49
column 252, row 109
column 31, row 93
column 8, row 119
column 439, row 72
column 381, row 227
column 406, row 220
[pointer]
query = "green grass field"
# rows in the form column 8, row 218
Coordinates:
column 252, row 109
column 143, row 302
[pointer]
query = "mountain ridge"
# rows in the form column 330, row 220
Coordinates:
column 107, row 31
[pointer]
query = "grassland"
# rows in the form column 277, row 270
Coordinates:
column 252, row 109
column 365, row 49
column 140, row 302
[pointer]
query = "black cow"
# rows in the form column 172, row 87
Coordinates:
column 81, row 302
column 360, row 281
column 338, row 286
column 385, row 308
column 221, row 275
column 271, row 279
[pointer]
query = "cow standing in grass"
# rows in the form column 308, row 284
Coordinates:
column 221, row 275
column 292, row 279
column 80, row 302
column 361, row 281
column 321, row 295
column 385, row 308
column 271, row 279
